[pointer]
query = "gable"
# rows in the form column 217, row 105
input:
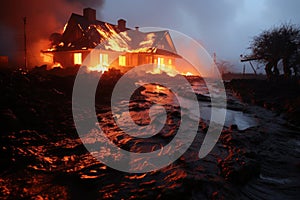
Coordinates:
column 136, row 41
column 80, row 33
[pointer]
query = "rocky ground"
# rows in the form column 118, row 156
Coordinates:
column 42, row 156
column 280, row 95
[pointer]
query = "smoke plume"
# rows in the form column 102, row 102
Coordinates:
column 43, row 18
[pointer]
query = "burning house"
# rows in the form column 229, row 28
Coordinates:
column 117, row 46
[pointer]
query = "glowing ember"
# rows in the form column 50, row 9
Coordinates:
column 188, row 74
column 56, row 65
column 119, row 42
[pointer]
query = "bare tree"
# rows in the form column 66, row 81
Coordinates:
column 275, row 44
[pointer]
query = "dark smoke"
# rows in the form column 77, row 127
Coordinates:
column 43, row 18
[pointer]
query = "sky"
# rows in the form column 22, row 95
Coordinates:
column 225, row 27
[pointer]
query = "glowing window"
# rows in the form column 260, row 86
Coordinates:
column 170, row 62
column 160, row 61
column 77, row 58
column 103, row 59
column 48, row 58
column 122, row 61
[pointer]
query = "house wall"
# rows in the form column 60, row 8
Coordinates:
column 90, row 58
column 136, row 59
column 66, row 59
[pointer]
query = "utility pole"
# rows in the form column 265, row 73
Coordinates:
column 25, row 45
column 215, row 58
column 214, row 69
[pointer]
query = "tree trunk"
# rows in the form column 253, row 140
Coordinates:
column 276, row 71
column 286, row 67
column 268, row 69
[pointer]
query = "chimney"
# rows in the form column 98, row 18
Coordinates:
column 122, row 25
column 137, row 28
column 89, row 14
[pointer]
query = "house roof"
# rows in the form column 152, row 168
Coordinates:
column 108, row 36
column 84, row 23
column 137, row 41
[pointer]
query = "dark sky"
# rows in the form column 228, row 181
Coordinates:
column 222, row 26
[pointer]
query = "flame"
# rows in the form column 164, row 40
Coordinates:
column 47, row 57
column 131, row 41
column 112, row 40
column 188, row 74
column 65, row 27
column 162, row 68
column 98, row 68
column 55, row 65
column 51, row 49
column 166, row 69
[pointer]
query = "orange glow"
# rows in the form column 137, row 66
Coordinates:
column 98, row 68
column 65, row 27
column 119, row 41
column 134, row 177
column 159, row 88
column 122, row 61
column 56, row 64
column 47, row 57
column 77, row 58
column 162, row 67
column 114, row 41
column 103, row 64
column 188, row 74
column 185, row 68
column 160, row 61
column 103, row 60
